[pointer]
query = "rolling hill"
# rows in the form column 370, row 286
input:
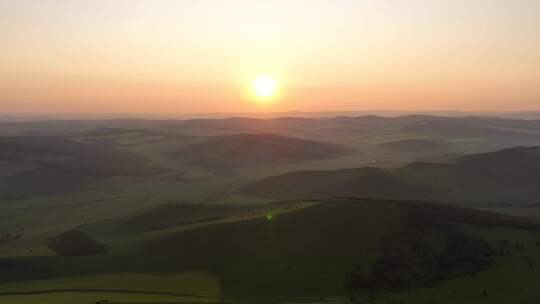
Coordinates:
column 130, row 138
column 313, row 250
column 509, row 176
column 412, row 145
column 52, row 164
column 170, row 215
column 319, row 251
column 225, row 153
column 389, row 140
column 496, row 131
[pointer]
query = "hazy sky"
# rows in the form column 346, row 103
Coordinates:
column 164, row 56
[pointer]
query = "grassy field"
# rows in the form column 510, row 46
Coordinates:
column 117, row 288
column 299, row 254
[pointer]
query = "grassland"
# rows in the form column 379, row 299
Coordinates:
column 117, row 288
column 186, row 235
column 301, row 254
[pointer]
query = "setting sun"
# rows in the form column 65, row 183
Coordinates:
column 264, row 85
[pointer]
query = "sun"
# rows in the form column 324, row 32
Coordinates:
column 264, row 85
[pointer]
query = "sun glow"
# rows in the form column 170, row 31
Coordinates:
column 264, row 86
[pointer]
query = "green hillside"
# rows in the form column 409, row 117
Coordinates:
column 310, row 254
column 170, row 215
column 509, row 176
column 223, row 154
column 62, row 164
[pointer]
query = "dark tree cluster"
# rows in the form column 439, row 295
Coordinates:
column 75, row 243
column 424, row 264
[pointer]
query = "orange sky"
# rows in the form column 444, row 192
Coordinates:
column 177, row 56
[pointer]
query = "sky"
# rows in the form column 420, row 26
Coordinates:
column 196, row 56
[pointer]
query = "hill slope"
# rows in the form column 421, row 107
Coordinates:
column 412, row 145
column 311, row 253
column 311, row 250
column 509, row 176
column 55, row 164
column 225, row 153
